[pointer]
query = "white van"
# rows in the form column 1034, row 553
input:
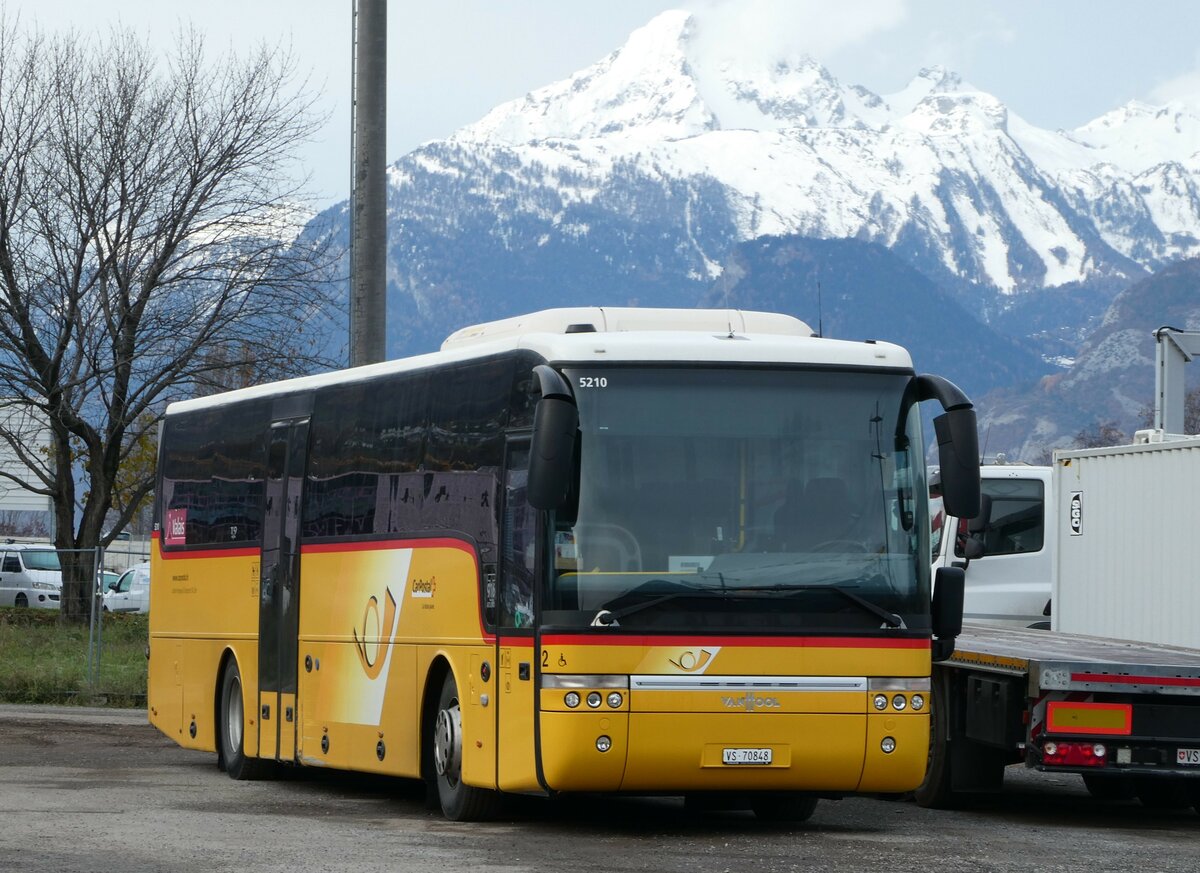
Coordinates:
column 1008, row 556
column 30, row 575
column 130, row 593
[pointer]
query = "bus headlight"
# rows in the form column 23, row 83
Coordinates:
column 888, row 745
column 615, row 699
column 880, row 702
column 571, row 699
column 899, row 702
column 918, row 702
column 593, row 699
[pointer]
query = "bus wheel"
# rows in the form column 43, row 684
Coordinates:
column 937, row 790
column 459, row 802
column 22, row 601
column 232, row 729
column 784, row 808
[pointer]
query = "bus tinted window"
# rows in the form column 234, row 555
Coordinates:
column 213, row 466
column 364, row 469
column 468, row 414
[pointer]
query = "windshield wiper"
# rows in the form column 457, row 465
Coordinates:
column 890, row 619
column 611, row 617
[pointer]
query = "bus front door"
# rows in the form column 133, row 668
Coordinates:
column 279, row 591
column 516, row 768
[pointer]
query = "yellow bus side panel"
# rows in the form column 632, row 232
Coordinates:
column 200, row 606
column 517, row 768
column 373, row 622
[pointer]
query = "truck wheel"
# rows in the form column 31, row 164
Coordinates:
column 1108, row 787
column 937, row 791
column 793, row 808
column 459, row 802
column 1164, row 793
column 232, row 729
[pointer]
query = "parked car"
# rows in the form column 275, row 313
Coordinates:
column 107, row 578
column 131, row 592
column 30, row 575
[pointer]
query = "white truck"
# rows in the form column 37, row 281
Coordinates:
column 1109, row 691
column 1011, row 586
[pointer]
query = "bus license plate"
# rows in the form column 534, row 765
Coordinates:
column 1186, row 757
column 746, row 756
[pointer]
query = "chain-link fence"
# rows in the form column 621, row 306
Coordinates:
column 49, row 661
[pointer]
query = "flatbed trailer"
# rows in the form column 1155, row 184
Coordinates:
column 1123, row 715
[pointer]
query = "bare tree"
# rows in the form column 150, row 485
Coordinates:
column 1191, row 412
column 1100, row 433
column 147, row 227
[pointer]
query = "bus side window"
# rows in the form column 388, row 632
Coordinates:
column 519, row 552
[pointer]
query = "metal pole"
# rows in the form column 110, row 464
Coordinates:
column 368, row 198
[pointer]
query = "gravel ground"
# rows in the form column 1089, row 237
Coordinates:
column 98, row 790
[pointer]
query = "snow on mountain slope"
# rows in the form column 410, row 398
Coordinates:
column 939, row 170
column 1138, row 136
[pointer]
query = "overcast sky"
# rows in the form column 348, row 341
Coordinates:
column 1058, row 64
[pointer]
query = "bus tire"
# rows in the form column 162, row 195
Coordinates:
column 793, row 808
column 231, row 737
column 459, row 802
column 937, row 790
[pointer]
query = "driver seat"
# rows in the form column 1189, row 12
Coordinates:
column 819, row 513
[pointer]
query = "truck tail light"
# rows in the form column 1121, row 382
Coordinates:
column 1065, row 754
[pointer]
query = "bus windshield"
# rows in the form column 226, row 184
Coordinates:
column 765, row 500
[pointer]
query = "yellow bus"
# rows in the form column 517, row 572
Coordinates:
column 678, row 552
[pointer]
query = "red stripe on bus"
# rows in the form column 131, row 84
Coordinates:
column 754, row 641
column 172, row 555
column 517, row 642
column 1136, row 680
column 379, row 545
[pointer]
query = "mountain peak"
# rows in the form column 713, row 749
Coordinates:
column 940, row 77
column 644, row 90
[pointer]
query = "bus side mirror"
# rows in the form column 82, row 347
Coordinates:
column 947, row 610
column 552, row 452
column 958, row 456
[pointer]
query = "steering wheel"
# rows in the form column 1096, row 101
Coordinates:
column 599, row 536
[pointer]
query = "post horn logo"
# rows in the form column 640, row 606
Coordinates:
column 369, row 652
column 693, row 662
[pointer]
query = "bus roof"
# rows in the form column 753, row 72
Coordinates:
column 595, row 335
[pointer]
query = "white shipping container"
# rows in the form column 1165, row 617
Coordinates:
column 1129, row 542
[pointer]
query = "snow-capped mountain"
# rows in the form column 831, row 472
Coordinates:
column 634, row 181
column 939, row 170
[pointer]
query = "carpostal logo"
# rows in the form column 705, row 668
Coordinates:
column 423, row 587
column 750, row 703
